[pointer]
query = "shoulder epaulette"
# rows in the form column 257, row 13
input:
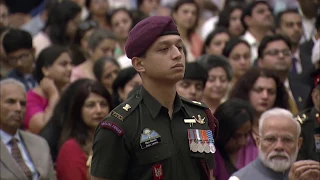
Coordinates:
column 301, row 118
column 126, row 108
column 196, row 103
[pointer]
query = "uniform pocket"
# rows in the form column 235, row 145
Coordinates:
column 154, row 154
column 198, row 155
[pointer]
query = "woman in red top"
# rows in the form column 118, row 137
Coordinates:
column 91, row 104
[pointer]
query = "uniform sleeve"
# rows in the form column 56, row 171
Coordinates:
column 110, row 155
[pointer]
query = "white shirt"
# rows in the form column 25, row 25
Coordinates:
column 6, row 138
column 253, row 43
column 208, row 26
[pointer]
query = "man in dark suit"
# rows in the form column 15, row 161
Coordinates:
column 275, row 54
column 289, row 24
column 23, row 155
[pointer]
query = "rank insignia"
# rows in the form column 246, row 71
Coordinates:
column 199, row 119
column 157, row 172
column 126, row 107
column 190, row 121
column 149, row 138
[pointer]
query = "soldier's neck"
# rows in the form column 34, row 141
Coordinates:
column 164, row 94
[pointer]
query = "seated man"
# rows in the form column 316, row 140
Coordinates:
column 18, row 47
column 192, row 85
column 23, row 155
column 278, row 146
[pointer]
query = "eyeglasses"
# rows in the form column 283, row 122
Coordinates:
column 275, row 52
column 85, row 26
column 22, row 57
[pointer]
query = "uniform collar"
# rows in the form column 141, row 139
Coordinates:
column 6, row 138
column 154, row 106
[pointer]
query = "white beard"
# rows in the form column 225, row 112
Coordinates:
column 275, row 164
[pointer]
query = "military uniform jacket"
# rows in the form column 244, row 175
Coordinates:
column 309, row 128
column 119, row 150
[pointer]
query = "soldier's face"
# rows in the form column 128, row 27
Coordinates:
column 12, row 107
column 163, row 61
column 278, row 143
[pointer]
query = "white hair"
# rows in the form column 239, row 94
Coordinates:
column 6, row 81
column 278, row 112
column 316, row 52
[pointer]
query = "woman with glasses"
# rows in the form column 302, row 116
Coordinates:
column 52, row 72
column 235, row 118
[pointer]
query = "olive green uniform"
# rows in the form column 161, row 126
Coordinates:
column 119, row 154
column 310, row 127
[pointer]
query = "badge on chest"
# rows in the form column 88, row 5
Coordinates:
column 149, row 138
column 201, row 141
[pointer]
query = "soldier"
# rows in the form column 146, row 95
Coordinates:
column 310, row 125
column 155, row 134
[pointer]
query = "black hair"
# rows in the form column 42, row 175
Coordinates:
column 179, row 3
column 245, row 84
column 52, row 130
column 115, row 11
column 280, row 14
column 46, row 58
column 99, row 65
column 213, row 61
column 317, row 24
column 194, row 71
column 212, row 35
column 224, row 16
column 16, row 39
column 233, row 42
column 58, row 18
column 268, row 39
column 247, row 11
column 231, row 115
column 74, row 126
column 124, row 76
column 83, row 28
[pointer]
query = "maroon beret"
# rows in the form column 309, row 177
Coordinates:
column 143, row 34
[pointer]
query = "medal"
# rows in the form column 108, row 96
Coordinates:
column 193, row 146
column 211, row 141
column 200, row 148
column 199, row 141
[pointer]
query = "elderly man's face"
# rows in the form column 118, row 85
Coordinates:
column 12, row 107
column 279, row 143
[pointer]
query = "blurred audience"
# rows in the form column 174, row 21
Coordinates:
column 216, row 41
column 219, row 78
column 20, row 55
column 235, row 118
column 275, row 54
column 91, row 103
column 52, row 72
column 61, row 26
column 186, row 15
column 106, row 70
column 98, row 11
column 101, row 43
column 125, row 82
column 23, row 155
column 263, row 90
column 238, row 52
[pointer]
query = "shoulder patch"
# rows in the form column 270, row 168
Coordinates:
column 112, row 126
column 195, row 103
column 127, row 107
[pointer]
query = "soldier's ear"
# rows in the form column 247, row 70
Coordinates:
column 138, row 64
